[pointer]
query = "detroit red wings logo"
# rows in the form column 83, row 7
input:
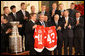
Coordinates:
column 45, row 37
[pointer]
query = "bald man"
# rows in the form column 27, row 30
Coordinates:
column 58, row 25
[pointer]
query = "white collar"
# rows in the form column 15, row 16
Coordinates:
column 56, row 21
column 43, row 11
column 14, row 13
column 41, row 22
column 60, row 16
column 32, row 21
column 78, row 18
column 6, row 14
column 22, row 10
column 62, row 10
column 66, row 18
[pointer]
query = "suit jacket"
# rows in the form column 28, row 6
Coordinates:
column 20, row 17
column 50, row 14
column 80, row 25
column 60, row 12
column 72, row 13
column 48, row 23
column 29, row 31
column 38, row 23
column 13, row 17
column 79, row 29
column 4, row 37
column 68, row 31
column 9, row 18
column 59, row 32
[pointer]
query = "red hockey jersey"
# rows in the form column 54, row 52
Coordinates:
column 50, row 38
column 39, row 38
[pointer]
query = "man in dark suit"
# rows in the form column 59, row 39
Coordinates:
column 61, row 10
column 29, row 31
column 48, row 23
column 57, row 24
column 53, row 11
column 43, row 10
column 13, row 13
column 67, row 32
column 6, row 14
column 72, row 11
column 79, row 34
column 5, row 32
column 23, row 18
column 42, row 21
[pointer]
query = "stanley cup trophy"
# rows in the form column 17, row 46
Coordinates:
column 15, row 40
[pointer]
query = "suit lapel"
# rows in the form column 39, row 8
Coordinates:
column 22, row 13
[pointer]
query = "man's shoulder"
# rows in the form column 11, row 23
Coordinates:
column 19, row 11
column 39, row 12
column 10, row 13
column 26, row 11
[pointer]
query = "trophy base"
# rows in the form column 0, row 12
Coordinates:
column 15, row 52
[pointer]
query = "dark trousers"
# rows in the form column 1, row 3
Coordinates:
column 59, row 43
column 68, row 41
column 79, row 39
column 26, row 43
column 21, row 32
column 3, row 46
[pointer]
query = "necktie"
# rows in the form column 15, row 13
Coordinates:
column 56, row 23
column 24, row 13
column 66, row 21
column 43, row 24
column 15, row 15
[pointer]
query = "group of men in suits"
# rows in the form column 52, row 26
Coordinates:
column 69, row 27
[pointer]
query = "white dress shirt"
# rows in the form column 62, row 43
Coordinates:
column 14, row 14
column 77, row 18
column 23, row 11
column 32, row 21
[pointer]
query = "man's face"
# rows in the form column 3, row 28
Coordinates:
column 7, row 11
column 23, row 7
column 34, row 17
column 78, row 14
column 45, row 18
column 41, row 18
column 43, row 8
column 72, row 6
column 61, row 6
column 56, row 17
column 14, row 10
column 33, row 9
column 54, row 6
column 66, row 13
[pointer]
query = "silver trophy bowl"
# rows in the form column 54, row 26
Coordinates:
column 15, row 40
